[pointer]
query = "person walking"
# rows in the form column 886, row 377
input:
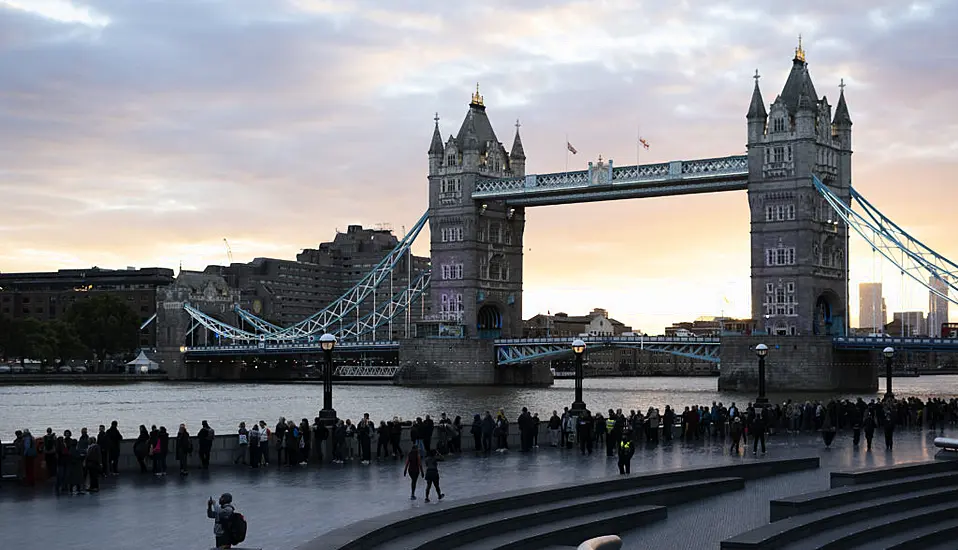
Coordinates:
column 222, row 514
column 414, row 469
column 758, row 429
column 432, row 474
column 735, row 432
column 869, row 425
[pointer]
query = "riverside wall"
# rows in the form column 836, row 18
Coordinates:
column 794, row 364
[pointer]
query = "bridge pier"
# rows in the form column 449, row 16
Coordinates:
column 462, row 362
column 794, row 364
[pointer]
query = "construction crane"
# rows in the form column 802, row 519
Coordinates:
column 229, row 251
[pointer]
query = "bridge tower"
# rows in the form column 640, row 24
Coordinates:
column 799, row 248
column 476, row 247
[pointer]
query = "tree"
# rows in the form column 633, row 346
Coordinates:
column 105, row 325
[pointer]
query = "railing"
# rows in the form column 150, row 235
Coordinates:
column 583, row 179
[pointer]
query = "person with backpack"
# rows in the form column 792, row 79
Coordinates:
column 229, row 526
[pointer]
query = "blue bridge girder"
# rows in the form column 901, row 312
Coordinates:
column 606, row 182
column 523, row 350
column 899, row 344
column 287, row 348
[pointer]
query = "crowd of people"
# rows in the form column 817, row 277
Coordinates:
column 77, row 464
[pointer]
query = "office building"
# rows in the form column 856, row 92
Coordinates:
column 871, row 308
column 937, row 307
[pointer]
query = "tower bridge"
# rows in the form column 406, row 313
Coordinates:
column 797, row 176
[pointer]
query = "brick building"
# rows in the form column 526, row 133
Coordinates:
column 48, row 295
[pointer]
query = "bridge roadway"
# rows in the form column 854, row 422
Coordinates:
column 524, row 350
column 603, row 182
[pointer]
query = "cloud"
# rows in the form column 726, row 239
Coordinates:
column 145, row 132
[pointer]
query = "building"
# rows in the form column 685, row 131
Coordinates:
column 562, row 325
column 711, row 326
column 937, row 307
column 872, row 314
column 907, row 324
column 480, row 245
column 48, row 295
column 798, row 246
column 287, row 291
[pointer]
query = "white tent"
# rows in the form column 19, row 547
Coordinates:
column 143, row 364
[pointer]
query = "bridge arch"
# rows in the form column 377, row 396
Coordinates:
column 829, row 317
column 489, row 321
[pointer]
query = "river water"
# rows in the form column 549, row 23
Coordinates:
column 224, row 405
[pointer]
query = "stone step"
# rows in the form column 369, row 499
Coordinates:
column 457, row 533
column 790, row 530
column 571, row 531
column 811, row 502
column 867, row 533
column 920, row 538
column 378, row 531
column 888, row 473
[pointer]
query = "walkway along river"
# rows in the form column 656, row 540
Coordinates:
column 225, row 405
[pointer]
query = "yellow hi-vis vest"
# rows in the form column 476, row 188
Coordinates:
column 609, row 424
column 625, row 444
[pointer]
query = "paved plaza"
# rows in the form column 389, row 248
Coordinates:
column 286, row 509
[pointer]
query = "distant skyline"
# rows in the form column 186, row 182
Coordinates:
column 135, row 133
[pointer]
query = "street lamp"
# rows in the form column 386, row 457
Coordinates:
column 578, row 348
column 761, row 350
column 328, row 416
column 889, row 354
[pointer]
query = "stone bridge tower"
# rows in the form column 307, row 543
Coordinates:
column 799, row 249
column 476, row 247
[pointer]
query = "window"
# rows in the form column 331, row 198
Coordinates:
column 790, row 288
column 791, row 330
column 779, row 154
column 769, row 287
column 458, row 304
column 780, row 256
column 445, row 234
column 451, row 159
column 457, row 271
column 778, row 124
column 790, row 212
column 445, row 272
column 444, row 302
column 779, row 212
column 459, row 233
column 769, row 213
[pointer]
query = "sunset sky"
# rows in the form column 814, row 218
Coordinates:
column 141, row 133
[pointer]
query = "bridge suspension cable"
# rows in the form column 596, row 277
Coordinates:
column 888, row 239
column 345, row 311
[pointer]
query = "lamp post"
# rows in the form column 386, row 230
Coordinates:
column 761, row 350
column 889, row 354
column 328, row 415
column 578, row 348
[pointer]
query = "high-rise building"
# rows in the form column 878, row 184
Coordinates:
column 937, row 306
column 871, row 307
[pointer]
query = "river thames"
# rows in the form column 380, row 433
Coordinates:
column 224, row 405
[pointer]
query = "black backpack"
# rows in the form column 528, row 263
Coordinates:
column 237, row 528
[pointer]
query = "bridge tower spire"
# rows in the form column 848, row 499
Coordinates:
column 799, row 251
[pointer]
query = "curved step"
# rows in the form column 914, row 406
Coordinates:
column 919, row 538
column 572, row 531
column 457, row 533
column 867, row 533
column 888, row 473
column 782, row 508
column 795, row 528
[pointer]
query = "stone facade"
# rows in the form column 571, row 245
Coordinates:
column 798, row 249
column 454, row 361
column 795, row 363
column 476, row 248
column 208, row 293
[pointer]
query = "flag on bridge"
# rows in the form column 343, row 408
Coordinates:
column 644, row 143
column 570, row 148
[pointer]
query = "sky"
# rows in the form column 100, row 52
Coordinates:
column 144, row 132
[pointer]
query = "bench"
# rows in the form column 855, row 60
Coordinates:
column 946, row 443
column 608, row 542
column 888, row 473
